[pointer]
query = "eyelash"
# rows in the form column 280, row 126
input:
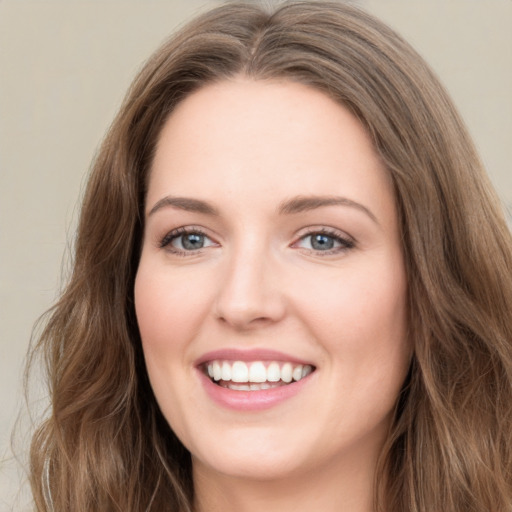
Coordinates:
column 166, row 241
column 346, row 243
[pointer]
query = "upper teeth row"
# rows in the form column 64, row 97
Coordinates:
column 257, row 371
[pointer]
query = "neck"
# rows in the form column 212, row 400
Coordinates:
column 340, row 488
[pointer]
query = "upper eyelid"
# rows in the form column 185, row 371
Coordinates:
column 193, row 228
column 164, row 241
column 327, row 230
column 184, row 230
column 300, row 234
column 346, row 241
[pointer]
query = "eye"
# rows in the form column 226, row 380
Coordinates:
column 185, row 240
column 325, row 242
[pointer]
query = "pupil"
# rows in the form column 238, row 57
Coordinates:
column 192, row 241
column 322, row 242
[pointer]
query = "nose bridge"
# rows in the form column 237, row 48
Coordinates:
column 248, row 294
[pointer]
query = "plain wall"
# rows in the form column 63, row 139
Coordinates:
column 64, row 68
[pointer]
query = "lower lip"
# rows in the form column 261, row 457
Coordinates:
column 251, row 400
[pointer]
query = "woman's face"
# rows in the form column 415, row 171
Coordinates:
column 271, row 291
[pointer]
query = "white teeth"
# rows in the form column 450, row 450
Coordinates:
column 240, row 387
column 239, row 372
column 286, row 372
column 257, row 372
column 226, row 371
column 297, row 372
column 306, row 370
column 256, row 375
column 250, row 387
column 217, row 371
column 273, row 372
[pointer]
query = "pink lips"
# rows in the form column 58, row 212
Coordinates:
column 249, row 400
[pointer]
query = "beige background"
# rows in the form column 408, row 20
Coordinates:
column 64, row 67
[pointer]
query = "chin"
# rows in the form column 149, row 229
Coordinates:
column 250, row 457
column 254, row 467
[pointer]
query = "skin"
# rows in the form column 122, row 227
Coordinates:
column 246, row 147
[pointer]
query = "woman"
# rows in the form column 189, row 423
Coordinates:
column 291, row 285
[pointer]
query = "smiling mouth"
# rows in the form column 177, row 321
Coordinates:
column 256, row 375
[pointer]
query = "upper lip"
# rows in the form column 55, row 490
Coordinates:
column 235, row 354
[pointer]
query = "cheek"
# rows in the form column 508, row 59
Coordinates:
column 355, row 300
column 167, row 317
column 168, row 309
column 359, row 316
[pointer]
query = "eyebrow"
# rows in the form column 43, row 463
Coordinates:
column 289, row 207
column 304, row 203
column 185, row 203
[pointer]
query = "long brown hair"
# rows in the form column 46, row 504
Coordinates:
column 105, row 446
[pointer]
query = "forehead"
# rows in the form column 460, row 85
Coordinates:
column 259, row 139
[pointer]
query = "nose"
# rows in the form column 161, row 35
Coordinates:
column 250, row 293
